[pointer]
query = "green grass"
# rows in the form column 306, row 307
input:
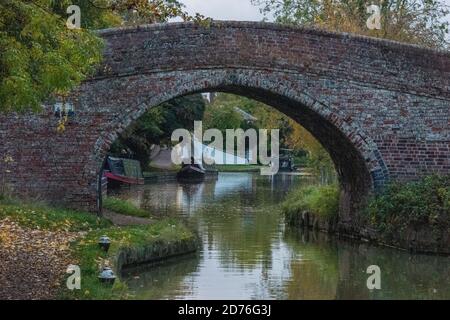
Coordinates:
column 238, row 168
column 38, row 215
column 158, row 237
column 124, row 207
column 320, row 200
column 90, row 258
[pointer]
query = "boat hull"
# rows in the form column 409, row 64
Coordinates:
column 117, row 179
column 191, row 173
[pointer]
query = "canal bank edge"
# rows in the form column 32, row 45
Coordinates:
column 130, row 246
column 128, row 257
column 418, row 239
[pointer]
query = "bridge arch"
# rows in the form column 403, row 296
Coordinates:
column 360, row 170
column 380, row 108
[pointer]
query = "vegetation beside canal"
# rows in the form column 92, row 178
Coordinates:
column 129, row 245
column 124, row 207
column 320, row 200
column 312, row 206
column 413, row 215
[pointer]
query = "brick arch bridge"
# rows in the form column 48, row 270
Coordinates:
column 380, row 108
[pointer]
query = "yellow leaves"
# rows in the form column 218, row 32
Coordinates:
column 8, row 159
column 41, row 256
column 102, row 262
column 62, row 124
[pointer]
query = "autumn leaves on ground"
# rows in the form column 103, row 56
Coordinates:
column 38, row 243
column 32, row 260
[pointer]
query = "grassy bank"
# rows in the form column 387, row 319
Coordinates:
column 322, row 201
column 130, row 245
column 124, row 207
column 41, row 216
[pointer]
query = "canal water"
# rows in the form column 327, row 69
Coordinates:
column 248, row 252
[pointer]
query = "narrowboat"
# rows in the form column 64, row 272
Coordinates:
column 191, row 172
column 120, row 171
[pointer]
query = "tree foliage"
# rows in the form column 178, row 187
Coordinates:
column 414, row 204
column 419, row 22
column 222, row 115
column 40, row 57
column 156, row 127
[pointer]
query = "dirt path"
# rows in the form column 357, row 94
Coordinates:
column 32, row 262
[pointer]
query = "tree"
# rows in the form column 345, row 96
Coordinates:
column 181, row 113
column 221, row 115
column 420, row 22
column 156, row 126
column 40, row 57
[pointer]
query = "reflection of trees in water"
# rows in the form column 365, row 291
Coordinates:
column 241, row 233
column 313, row 264
column 334, row 269
column 162, row 280
column 403, row 275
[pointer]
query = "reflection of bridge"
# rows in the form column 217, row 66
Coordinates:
column 380, row 108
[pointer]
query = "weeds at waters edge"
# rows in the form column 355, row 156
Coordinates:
column 320, row 200
column 124, row 207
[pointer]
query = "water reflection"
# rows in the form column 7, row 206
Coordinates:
column 248, row 253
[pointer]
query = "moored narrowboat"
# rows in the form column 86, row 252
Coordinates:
column 120, row 171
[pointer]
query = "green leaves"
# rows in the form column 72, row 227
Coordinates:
column 320, row 200
column 414, row 203
column 39, row 56
column 421, row 22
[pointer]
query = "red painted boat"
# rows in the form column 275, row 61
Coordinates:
column 123, row 171
column 123, row 179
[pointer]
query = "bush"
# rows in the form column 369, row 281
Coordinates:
column 411, row 204
column 320, row 200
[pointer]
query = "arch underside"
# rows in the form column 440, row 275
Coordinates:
column 358, row 163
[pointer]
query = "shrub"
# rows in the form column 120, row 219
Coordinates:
column 320, row 200
column 411, row 204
